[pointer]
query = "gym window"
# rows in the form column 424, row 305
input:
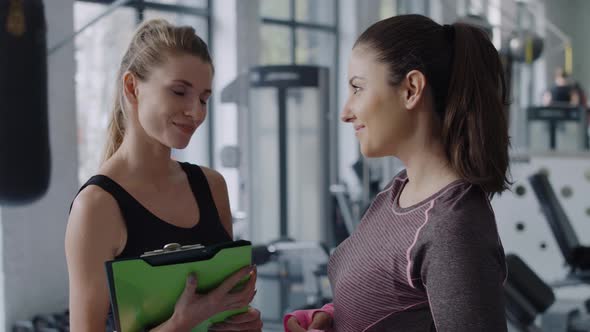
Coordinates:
column 299, row 32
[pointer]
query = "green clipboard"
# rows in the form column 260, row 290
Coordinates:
column 144, row 290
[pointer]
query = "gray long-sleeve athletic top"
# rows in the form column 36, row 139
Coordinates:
column 435, row 266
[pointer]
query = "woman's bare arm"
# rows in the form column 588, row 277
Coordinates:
column 95, row 234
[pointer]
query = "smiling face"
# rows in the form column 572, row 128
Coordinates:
column 172, row 102
column 374, row 107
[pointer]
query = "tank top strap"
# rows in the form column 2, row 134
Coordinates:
column 107, row 184
column 202, row 191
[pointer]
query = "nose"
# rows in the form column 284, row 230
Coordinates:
column 196, row 111
column 347, row 115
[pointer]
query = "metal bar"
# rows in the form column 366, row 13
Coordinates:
column 553, row 28
column 140, row 11
column 158, row 6
column 177, row 8
column 283, row 192
column 552, row 134
column 334, row 93
column 583, row 127
column 293, row 33
column 338, row 191
column 334, row 102
column 138, row 4
column 366, row 198
column 211, row 113
column 325, row 122
column 295, row 24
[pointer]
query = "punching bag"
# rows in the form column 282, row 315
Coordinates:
column 24, row 137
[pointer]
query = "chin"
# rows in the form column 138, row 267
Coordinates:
column 370, row 152
column 371, row 155
column 179, row 145
column 366, row 152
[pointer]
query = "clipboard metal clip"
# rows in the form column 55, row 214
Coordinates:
column 172, row 247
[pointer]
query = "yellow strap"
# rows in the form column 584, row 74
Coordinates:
column 569, row 59
column 528, row 50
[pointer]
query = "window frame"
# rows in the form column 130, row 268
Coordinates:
column 293, row 24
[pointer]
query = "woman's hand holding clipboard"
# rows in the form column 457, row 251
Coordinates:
column 193, row 308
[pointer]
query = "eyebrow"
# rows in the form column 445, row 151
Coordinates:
column 184, row 82
column 187, row 83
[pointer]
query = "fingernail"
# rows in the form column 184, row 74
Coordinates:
column 192, row 279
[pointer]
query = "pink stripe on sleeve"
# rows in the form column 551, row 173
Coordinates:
column 409, row 266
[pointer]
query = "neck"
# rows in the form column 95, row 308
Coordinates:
column 144, row 157
column 428, row 171
column 426, row 163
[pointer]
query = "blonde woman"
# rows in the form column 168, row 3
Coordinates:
column 141, row 199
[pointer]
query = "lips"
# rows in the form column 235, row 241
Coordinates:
column 187, row 128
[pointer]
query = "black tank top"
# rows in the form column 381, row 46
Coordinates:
column 561, row 93
column 146, row 232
